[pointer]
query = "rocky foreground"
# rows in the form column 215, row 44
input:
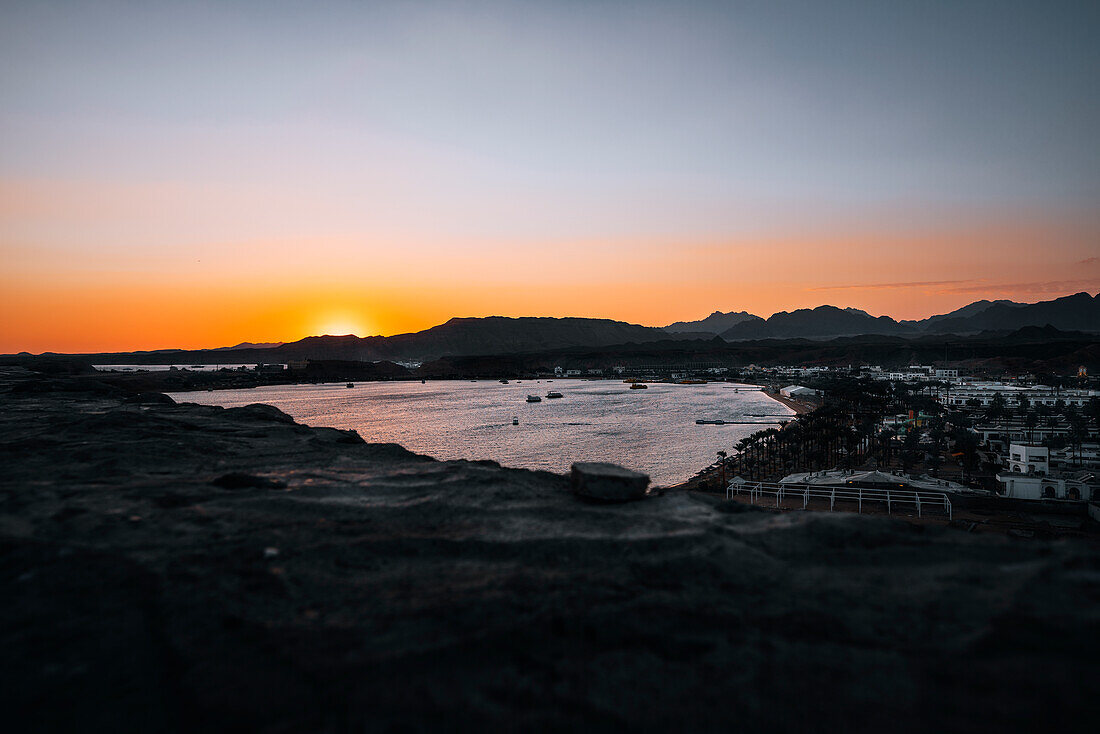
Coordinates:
column 176, row 567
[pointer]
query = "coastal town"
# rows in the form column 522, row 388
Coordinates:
column 1008, row 451
column 1012, row 452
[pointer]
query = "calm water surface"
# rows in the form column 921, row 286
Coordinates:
column 651, row 430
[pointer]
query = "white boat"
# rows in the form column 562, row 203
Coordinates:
column 534, row 399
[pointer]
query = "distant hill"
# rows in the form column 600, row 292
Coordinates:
column 459, row 336
column 716, row 323
column 501, row 335
column 250, row 345
column 966, row 311
column 1043, row 334
column 496, row 335
column 822, row 322
column 1032, row 349
column 1079, row 312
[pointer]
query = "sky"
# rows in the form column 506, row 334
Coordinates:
column 200, row 174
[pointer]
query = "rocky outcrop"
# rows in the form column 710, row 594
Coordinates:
column 331, row 585
column 599, row 480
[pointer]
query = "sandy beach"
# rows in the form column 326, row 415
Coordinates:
column 799, row 407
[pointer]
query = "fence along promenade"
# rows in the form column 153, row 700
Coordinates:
column 901, row 498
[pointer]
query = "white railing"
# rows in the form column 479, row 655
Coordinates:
column 890, row 498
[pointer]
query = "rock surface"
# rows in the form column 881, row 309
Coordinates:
column 609, row 482
column 381, row 590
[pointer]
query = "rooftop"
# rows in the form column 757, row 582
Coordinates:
column 872, row 478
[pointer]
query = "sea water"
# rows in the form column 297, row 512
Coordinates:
column 652, row 430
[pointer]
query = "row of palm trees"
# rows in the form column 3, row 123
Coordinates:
column 827, row 437
column 846, row 433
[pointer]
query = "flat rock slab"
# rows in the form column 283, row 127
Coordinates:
column 609, row 482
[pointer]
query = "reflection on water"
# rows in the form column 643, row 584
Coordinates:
column 650, row 430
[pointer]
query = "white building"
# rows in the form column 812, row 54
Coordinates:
column 984, row 393
column 873, row 480
column 1075, row 487
column 913, row 375
column 1087, row 456
column 1029, row 476
column 1028, row 458
column 798, row 391
column 947, row 374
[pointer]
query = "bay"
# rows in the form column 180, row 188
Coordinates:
column 651, row 430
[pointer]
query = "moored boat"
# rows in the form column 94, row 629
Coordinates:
column 639, row 386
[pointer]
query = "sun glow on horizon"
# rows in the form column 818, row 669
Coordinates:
column 341, row 324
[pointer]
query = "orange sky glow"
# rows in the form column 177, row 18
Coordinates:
column 219, row 294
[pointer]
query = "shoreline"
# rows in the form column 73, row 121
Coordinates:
column 706, row 474
column 553, row 449
column 798, row 407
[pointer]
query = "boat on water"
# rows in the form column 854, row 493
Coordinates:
column 553, row 394
column 350, row 384
column 534, row 399
column 503, row 382
column 718, row 422
column 515, row 420
column 639, row 386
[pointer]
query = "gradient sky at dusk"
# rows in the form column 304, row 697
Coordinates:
column 198, row 174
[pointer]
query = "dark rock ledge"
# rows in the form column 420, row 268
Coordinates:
column 177, row 568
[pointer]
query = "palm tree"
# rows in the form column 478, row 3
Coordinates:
column 967, row 444
column 1030, row 420
column 1078, row 432
column 997, row 406
column 886, row 437
column 741, row 447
